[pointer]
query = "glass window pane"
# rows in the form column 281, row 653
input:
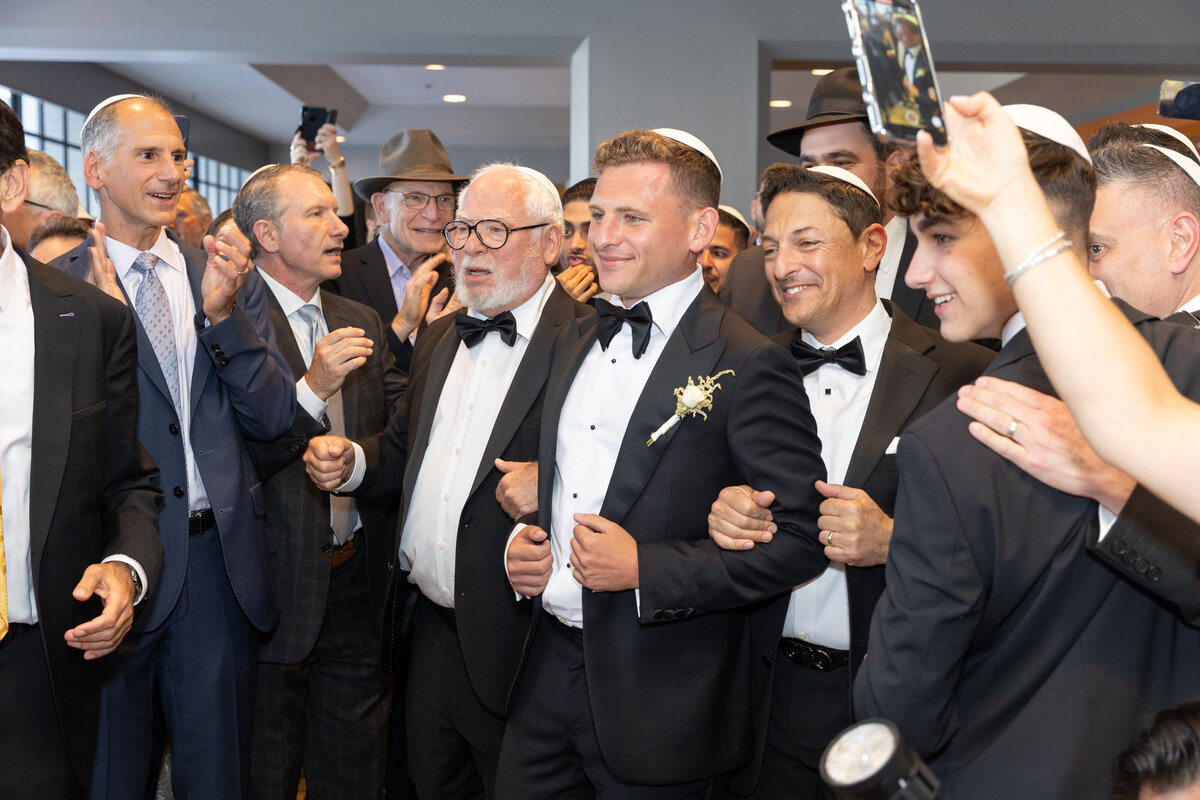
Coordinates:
column 53, row 124
column 74, row 126
column 55, row 150
column 74, row 167
column 30, row 118
column 33, row 141
column 6, row 95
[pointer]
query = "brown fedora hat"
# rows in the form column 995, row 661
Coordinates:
column 837, row 97
column 413, row 154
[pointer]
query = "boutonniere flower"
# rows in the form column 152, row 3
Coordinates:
column 695, row 398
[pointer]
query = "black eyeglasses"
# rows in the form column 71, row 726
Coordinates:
column 491, row 233
column 417, row 201
column 38, row 205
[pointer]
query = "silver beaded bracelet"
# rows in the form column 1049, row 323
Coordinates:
column 1042, row 253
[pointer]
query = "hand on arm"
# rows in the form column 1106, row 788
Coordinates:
column 603, row 554
column 517, row 490
column 529, row 561
column 336, row 355
column 111, row 582
column 740, row 517
column 329, row 460
column 853, row 527
column 1046, row 442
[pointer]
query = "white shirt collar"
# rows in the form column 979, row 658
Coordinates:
column 1191, row 305
column 668, row 303
column 393, row 261
column 872, row 331
column 10, row 266
column 288, row 300
column 123, row 255
column 528, row 313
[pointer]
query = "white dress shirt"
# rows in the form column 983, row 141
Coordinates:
column 344, row 517
column 467, row 408
column 398, row 272
column 1192, row 306
column 16, row 436
column 889, row 265
column 819, row 610
column 594, row 417
column 172, row 274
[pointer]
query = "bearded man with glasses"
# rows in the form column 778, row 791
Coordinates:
column 403, row 271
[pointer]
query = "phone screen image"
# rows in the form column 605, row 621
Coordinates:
column 892, row 53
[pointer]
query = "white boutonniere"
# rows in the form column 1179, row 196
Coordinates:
column 695, row 398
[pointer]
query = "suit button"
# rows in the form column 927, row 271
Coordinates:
column 178, row 490
column 327, row 548
column 668, row 613
column 689, row 612
column 1119, row 547
column 1153, row 574
column 1141, row 566
column 297, row 445
column 173, row 428
column 224, row 362
column 658, row 614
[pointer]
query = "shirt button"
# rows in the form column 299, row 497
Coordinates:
column 483, row 362
column 593, row 427
column 803, row 637
column 441, row 545
column 470, row 406
column 446, row 497
column 614, row 361
column 458, row 451
column 574, row 495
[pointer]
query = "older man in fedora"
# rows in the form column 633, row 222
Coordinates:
column 413, row 198
column 835, row 133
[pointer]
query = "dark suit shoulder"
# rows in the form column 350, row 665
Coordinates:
column 966, row 359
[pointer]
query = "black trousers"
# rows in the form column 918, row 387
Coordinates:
column 453, row 738
column 33, row 753
column 550, row 748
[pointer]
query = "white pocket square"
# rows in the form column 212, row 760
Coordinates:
column 891, row 448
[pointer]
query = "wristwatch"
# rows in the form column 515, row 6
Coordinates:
column 137, row 581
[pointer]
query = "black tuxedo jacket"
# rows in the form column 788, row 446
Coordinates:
column 297, row 520
column 93, row 488
column 491, row 625
column 747, row 292
column 365, row 279
column 669, row 682
column 919, row 370
column 999, row 641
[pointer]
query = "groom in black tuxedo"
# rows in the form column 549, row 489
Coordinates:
column 869, row 371
column 637, row 676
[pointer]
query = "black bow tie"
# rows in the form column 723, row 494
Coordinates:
column 472, row 329
column 613, row 317
column 849, row 356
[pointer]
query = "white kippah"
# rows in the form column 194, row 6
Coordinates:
column 1185, row 163
column 116, row 98
column 846, row 176
column 1169, row 131
column 733, row 212
column 250, row 177
column 688, row 140
column 1050, row 124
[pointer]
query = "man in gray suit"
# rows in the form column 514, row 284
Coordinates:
column 322, row 699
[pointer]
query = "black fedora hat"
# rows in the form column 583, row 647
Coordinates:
column 413, row 154
column 837, row 97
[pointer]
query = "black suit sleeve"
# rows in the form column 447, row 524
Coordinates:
column 1155, row 547
column 773, row 440
column 928, row 615
column 131, row 493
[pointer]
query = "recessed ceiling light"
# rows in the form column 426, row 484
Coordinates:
column 820, row 72
column 454, row 98
column 435, row 67
column 780, row 104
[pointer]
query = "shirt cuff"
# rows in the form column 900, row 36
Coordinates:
column 1107, row 520
column 124, row 559
column 520, row 526
column 356, row 474
column 309, row 401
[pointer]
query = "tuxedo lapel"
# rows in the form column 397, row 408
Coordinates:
column 440, row 361
column 376, row 281
column 904, row 375
column 528, row 380
column 56, row 325
column 691, row 351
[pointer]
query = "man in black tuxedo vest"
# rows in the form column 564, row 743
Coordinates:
column 1013, row 661
column 458, row 451
column 636, row 681
column 870, row 371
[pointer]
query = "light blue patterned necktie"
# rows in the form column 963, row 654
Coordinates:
column 155, row 313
